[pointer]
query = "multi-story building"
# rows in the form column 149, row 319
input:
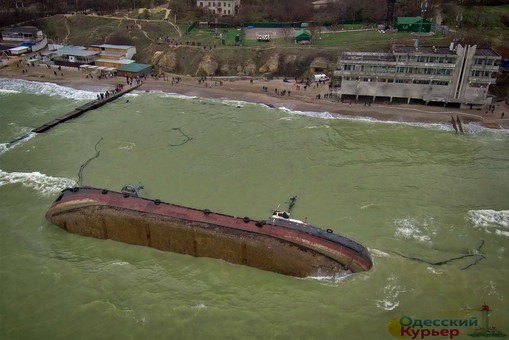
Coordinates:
column 225, row 7
column 456, row 75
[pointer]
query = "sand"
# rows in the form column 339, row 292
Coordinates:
column 245, row 89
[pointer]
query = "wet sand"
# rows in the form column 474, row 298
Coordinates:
column 243, row 89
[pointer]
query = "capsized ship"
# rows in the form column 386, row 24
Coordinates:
column 279, row 244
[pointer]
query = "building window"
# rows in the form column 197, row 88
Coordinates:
column 441, row 83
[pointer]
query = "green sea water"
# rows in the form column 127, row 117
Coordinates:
column 403, row 190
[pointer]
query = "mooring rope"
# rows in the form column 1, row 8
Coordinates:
column 82, row 167
column 439, row 263
column 291, row 203
column 188, row 138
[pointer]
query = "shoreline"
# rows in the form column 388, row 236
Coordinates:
column 243, row 89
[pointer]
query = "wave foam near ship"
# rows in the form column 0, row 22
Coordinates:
column 391, row 292
column 44, row 184
column 410, row 228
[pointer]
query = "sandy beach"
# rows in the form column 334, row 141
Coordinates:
column 264, row 91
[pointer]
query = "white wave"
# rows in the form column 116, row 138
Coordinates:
column 502, row 232
column 4, row 147
column 8, row 91
column 127, row 146
column 367, row 206
column 408, row 228
column 199, row 306
column 446, row 126
column 49, row 89
column 336, row 278
column 434, row 271
column 132, row 94
column 391, row 292
column 378, row 253
column 489, row 218
column 162, row 94
column 44, row 184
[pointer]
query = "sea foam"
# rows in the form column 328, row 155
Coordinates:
column 4, row 147
column 409, row 228
column 490, row 219
column 391, row 293
column 43, row 184
column 49, row 89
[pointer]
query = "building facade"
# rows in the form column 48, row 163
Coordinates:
column 225, row 7
column 108, row 51
column 27, row 35
column 454, row 75
column 74, row 56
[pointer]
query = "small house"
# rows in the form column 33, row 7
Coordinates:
column 302, row 37
column 413, row 24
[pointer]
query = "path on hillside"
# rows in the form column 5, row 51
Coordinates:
column 67, row 28
column 136, row 22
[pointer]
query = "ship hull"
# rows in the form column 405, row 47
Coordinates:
column 273, row 245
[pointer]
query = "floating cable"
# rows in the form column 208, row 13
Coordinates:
column 187, row 138
column 82, row 167
column 439, row 263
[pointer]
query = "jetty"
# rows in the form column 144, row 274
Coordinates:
column 104, row 99
column 84, row 108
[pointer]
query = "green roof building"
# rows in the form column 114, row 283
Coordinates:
column 413, row 24
column 134, row 70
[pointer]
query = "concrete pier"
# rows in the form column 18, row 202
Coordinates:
column 76, row 113
column 82, row 109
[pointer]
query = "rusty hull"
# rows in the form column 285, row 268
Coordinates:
column 279, row 246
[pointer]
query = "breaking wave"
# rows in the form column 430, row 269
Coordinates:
column 8, row 91
column 4, row 147
column 490, row 219
column 49, row 89
column 390, row 293
column 472, row 128
column 412, row 229
column 44, row 184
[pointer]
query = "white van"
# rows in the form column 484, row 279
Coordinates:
column 321, row 77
